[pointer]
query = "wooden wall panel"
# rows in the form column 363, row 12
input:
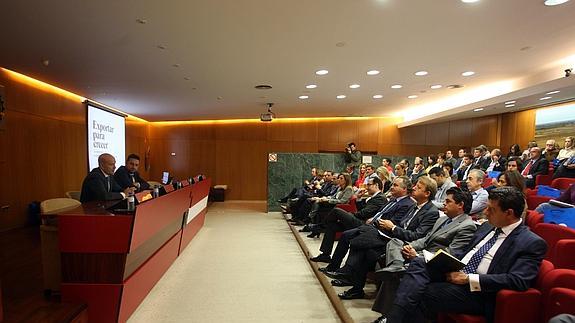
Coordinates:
column 414, row 135
column 230, row 154
column 526, row 127
column 305, row 147
column 252, row 170
column 202, row 132
column 460, row 132
column 202, row 158
column 279, row 146
column 367, row 134
column 508, row 131
column 485, row 130
column 280, row 131
column 328, row 132
column 437, row 134
column 347, row 132
column 305, row 131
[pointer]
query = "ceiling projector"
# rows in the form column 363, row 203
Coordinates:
column 268, row 116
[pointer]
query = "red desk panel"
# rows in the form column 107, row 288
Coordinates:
column 196, row 214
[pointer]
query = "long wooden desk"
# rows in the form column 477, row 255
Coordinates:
column 112, row 261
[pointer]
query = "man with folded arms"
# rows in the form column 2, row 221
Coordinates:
column 503, row 254
column 370, row 244
column 449, row 233
column 341, row 220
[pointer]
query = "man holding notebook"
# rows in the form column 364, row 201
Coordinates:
column 503, row 254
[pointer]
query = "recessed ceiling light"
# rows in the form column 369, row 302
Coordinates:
column 263, row 87
column 310, row 86
column 468, row 73
column 545, row 98
column 509, row 102
column 510, row 105
column 378, row 96
column 554, row 2
column 412, row 97
column 141, row 21
column 455, row 86
column 354, row 86
column 373, row 72
column 303, row 97
column 341, row 96
column 552, row 92
column 396, row 86
column 469, row 1
column 321, row 72
column 437, row 86
column 421, row 73
column 478, row 109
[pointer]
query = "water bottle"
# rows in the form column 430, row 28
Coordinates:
column 156, row 191
column 179, row 185
column 131, row 202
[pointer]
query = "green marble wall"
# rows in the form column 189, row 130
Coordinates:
column 291, row 169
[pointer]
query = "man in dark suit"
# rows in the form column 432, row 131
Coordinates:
column 128, row 176
column 536, row 165
column 503, row 254
column 418, row 170
column 451, row 233
column 341, row 220
column 395, row 210
column 100, row 185
column 370, row 244
column 465, row 167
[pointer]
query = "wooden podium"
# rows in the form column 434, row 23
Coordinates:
column 112, row 261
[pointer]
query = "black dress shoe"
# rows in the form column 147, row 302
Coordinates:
column 327, row 268
column 381, row 319
column 315, row 234
column 341, row 282
column 337, row 274
column 306, row 228
column 351, row 294
column 322, row 257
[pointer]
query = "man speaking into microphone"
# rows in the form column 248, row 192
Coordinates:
column 128, row 176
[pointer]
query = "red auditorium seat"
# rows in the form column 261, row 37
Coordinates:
column 561, row 183
column 558, row 292
column 533, row 218
column 533, row 201
column 564, row 254
column 545, row 179
column 553, row 233
column 512, row 306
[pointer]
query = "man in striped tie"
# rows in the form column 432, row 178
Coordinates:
column 503, row 254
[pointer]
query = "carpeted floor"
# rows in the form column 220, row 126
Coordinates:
column 243, row 266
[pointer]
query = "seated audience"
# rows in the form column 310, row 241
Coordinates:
column 514, row 163
column 514, row 151
column 503, row 254
column 320, row 205
column 369, row 173
column 340, row 220
column 300, row 206
column 450, row 233
column 478, row 193
column 395, row 210
column 460, row 154
column 566, row 168
column 465, row 167
column 408, row 169
column 100, row 185
column 448, row 168
column 386, row 162
column 400, row 170
column 385, row 178
column 497, row 162
column 431, row 162
column 534, row 166
column 300, row 191
column 128, row 176
column 551, row 151
column 418, row 170
column 481, row 158
column 526, row 152
column 568, row 150
column 361, row 176
column 369, row 242
column 449, row 158
column 444, row 183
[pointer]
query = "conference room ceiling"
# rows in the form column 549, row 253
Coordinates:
column 200, row 60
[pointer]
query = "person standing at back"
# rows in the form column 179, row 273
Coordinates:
column 100, row 185
column 128, row 176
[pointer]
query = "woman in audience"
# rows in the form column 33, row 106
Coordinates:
column 361, row 177
column 385, row 177
column 514, row 151
column 400, row 170
column 440, row 159
column 431, row 162
column 448, row 168
column 386, row 162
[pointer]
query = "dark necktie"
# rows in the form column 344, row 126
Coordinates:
column 444, row 224
column 409, row 217
column 108, row 183
column 133, row 178
column 473, row 263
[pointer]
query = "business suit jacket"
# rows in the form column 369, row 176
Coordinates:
column 539, row 167
column 95, row 188
column 395, row 212
column 419, row 226
column 123, row 178
column 372, row 206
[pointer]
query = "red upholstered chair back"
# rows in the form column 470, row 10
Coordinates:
column 562, row 183
column 349, row 206
column 546, row 267
column 533, row 218
column 552, row 233
column 564, row 254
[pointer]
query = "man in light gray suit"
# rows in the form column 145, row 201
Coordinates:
column 449, row 233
